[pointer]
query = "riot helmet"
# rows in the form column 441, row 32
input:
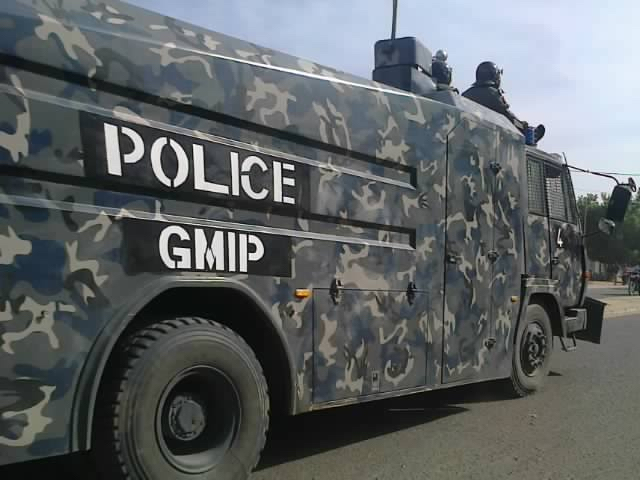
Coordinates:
column 488, row 72
column 441, row 55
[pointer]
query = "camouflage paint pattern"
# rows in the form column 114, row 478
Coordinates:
column 567, row 265
column 537, row 245
column 386, row 203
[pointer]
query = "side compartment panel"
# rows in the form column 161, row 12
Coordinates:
column 469, row 269
column 508, row 234
column 368, row 342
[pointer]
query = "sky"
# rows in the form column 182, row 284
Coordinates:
column 572, row 65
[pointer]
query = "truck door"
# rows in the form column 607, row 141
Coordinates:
column 567, row 262
column 469, row 256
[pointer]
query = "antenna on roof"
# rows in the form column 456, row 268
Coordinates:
column 395, row 18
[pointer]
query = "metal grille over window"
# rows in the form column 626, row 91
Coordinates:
column 536, row 187
column 570, row 198
column 555, row 194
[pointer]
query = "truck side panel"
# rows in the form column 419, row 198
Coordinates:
column 64, row 277
column 368, row 205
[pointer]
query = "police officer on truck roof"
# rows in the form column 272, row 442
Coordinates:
column 441, row 72
column 486, row 91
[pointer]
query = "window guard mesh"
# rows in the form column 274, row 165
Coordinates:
column 536, row 187
column 555, row 193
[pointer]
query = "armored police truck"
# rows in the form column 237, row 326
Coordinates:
column 197, row 232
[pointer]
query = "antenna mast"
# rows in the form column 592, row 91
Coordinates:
column 395, row 17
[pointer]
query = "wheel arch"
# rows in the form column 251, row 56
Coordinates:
column 550, row 303
column 133, row 315
column 544, row 293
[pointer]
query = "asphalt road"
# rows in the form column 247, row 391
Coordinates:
column 583, row 425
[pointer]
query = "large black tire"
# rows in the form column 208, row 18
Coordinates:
column 185, row 399
column 532, row 352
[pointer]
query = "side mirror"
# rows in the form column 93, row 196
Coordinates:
column 606, row 226
column 618, row 203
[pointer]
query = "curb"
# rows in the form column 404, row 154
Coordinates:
column 620, row 313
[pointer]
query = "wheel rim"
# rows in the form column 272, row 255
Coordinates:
column 533, row 349
column 197, row 419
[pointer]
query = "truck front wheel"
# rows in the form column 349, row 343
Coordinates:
column 185, row 399
column 532, row 351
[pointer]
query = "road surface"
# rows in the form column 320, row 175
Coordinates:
column 583, row 425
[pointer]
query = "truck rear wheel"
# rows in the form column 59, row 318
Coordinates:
column 185, row 399
column 532, row 352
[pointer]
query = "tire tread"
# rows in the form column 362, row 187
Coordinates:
column 108, row 406
column 513, row 384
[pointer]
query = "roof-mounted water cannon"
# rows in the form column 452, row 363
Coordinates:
column 403, row 63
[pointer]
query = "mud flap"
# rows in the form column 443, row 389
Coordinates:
column 595, row 317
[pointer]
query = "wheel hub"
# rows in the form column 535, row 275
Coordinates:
column 187, row 418
column 197, row 419
column 533, row 349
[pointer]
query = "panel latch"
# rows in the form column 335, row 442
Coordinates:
column 411, row 293
column 334, row 290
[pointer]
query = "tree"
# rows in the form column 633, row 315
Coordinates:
column 621, row 248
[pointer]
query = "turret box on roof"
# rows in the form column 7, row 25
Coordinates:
column 405, row 78
column 404, row 63
column 402, row 51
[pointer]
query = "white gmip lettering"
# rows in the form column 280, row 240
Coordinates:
column 170, row 254
column 208, row 250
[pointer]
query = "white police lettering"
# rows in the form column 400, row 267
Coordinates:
column 245, row 179
column 114, row 159
column 156, row 162
column 241, row 179
column 202, row 183
column 208, row 250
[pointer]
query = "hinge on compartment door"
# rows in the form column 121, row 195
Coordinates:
column 495, row 167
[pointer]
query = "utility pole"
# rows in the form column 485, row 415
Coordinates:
column 395, row 18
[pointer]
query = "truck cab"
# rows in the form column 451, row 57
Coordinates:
column 554, row 239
